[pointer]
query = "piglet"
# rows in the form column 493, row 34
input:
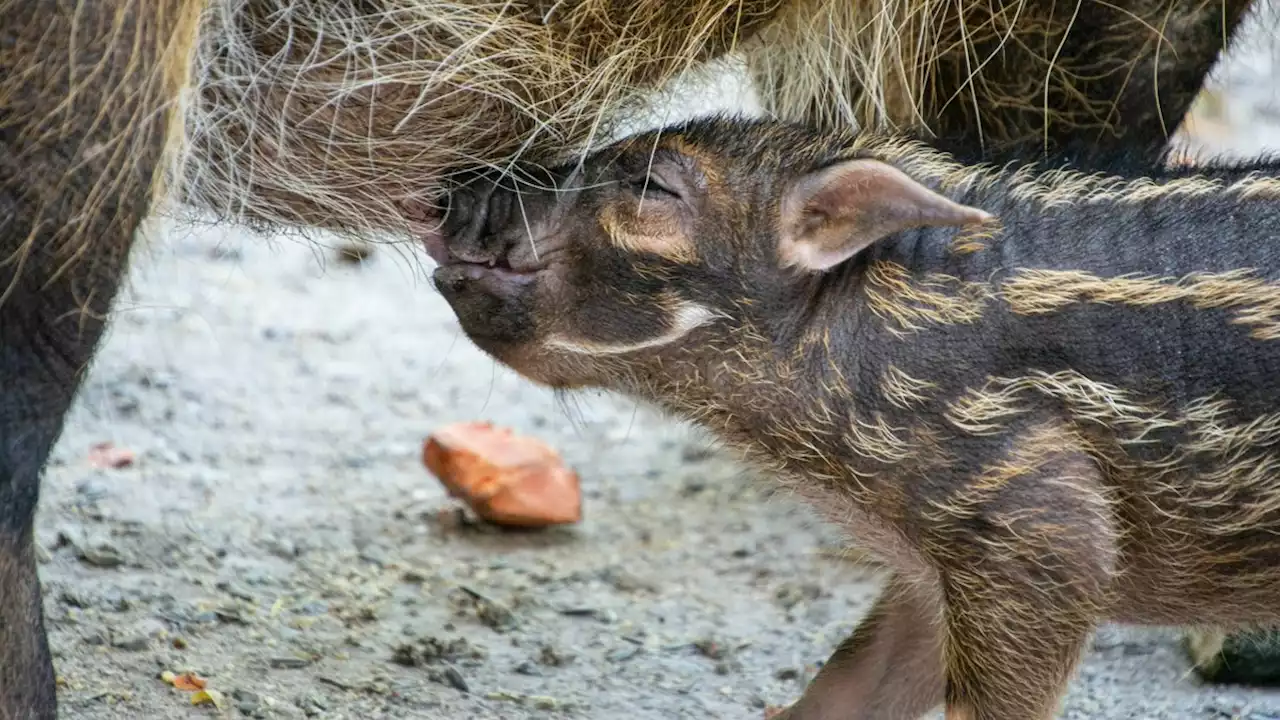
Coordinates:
column 1043, row 399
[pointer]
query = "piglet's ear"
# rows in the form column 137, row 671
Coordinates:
column 830, row 215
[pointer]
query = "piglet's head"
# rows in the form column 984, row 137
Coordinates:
column 658, row 250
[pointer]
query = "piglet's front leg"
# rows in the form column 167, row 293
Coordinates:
column 1024, row 549
column 890, row 668
column 1026, row 552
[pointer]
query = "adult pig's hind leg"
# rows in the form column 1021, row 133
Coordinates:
column 84, row 97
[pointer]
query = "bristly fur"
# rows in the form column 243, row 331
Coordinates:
column 108, row 90
column 1057, row 71
column 86, row 103
column 351, row 115
column 311, row 113
column 1077, row 422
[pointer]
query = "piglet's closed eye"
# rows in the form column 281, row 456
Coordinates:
column 830, row 215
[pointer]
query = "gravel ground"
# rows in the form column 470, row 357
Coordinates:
column 279, row 535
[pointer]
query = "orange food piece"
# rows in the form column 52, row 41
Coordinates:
column 505, row 478
column 188, row 681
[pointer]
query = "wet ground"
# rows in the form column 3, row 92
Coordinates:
column 278, row 534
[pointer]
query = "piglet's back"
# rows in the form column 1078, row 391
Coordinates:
column 1168, row 290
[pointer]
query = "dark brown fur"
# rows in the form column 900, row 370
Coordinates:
column 86, row 94
column 1062, row 79
column 1051, row 404
column 80, row 135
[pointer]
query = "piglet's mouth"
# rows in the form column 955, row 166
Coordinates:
column 438, row 248
column 457, row 263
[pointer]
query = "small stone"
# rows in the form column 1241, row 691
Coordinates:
column 711, row 648
column 491, row 613
column 288, row 663
column 431, row 650
column 415, row 576
column 454, row 679
column 579, row 611
column 235, row 591
column 313, row 608
column 132, row 642
column 552, row 657
column 790, row 595
column 405, row 654
column 75, row 598
column 101, row 554
column 374, row 555
column 71, row 536
column 622, row 654
column 115, row 601
column 313, row 704
column 528, row 668
column 627, row 581
column 230, row 615
column 282, row 547
column 95, row 638
column 788, row 673
column 543, row 702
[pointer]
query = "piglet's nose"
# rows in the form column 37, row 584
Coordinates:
column 489, row 208
column 478, row 214
column 461, row 213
